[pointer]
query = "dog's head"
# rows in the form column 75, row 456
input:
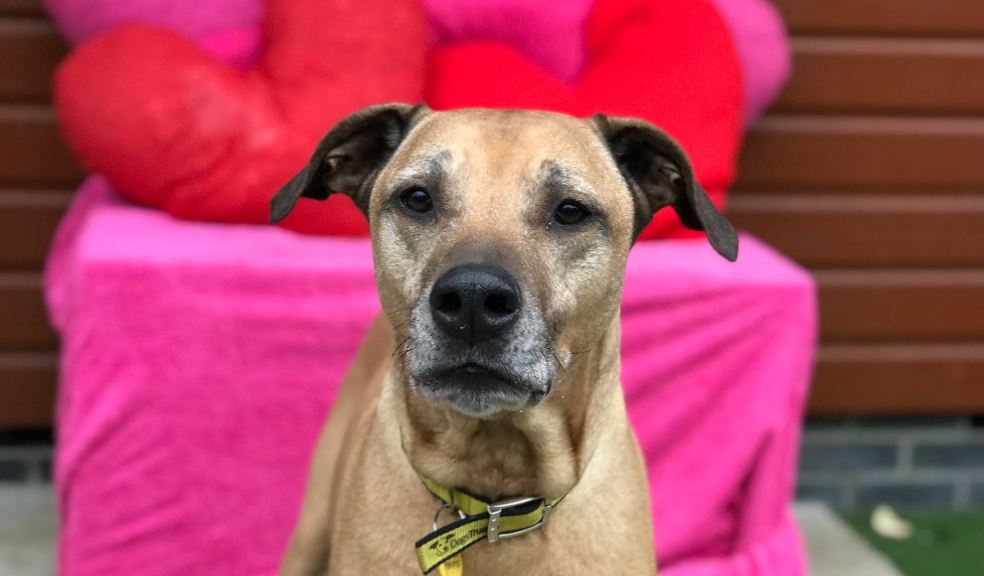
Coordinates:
column 500, row 237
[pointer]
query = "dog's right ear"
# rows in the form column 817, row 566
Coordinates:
column 349, row 157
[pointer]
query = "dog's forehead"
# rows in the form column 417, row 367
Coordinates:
column 508, row 144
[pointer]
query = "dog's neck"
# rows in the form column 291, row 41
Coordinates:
column 539, row 451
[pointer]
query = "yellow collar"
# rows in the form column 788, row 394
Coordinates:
column 479, row 520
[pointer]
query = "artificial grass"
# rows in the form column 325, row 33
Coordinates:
column 944, row 543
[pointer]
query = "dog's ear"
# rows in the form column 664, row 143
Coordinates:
column 659, row 174
column 349, row 157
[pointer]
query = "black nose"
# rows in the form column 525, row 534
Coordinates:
column 475, row 302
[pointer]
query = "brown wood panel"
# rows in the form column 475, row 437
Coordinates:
column 25, row 323
column 31, row 50
column 32, row 153
column 27, row 223
column 21, row 8
column 906, row 305
column 899, row 379
column 851, row 152
column 904, row 17
column 885, row 75
column 27, row 389
column 836, row 230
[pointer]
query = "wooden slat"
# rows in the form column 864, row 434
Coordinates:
column 27, row 389
column 21, row 8
column 827, row 152
column 899, row 379
column 837, row 230
column 31, row 49
column 31, row 151
column 24, row 324
column 27, row 223
column 901, row 17
column 867, row 305
column 886, row 76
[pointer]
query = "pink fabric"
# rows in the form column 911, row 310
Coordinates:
column 199, row 360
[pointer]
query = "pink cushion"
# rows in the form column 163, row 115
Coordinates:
column 548, row 33
column 79, row 20
column 551, row 34
column 760, row 38
column 199, row 360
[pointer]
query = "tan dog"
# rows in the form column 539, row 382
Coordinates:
column 500, row 240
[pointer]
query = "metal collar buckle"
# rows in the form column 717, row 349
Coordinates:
column 495, row 512
column 445, row 506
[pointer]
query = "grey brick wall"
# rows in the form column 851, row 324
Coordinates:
column 24, row 464
column 911, row 463
column 847, row 463
column 25, row 457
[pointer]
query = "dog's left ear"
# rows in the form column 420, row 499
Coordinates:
column 349, row 157
column 659, row 174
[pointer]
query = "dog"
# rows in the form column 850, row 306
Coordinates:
column 482, row 429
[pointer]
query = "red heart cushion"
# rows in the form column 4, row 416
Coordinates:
column 671, row 62
column 171, row 128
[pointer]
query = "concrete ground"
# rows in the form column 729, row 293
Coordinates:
column 834, row 548
column 28, row 529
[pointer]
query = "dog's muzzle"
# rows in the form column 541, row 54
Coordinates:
column 477, row 345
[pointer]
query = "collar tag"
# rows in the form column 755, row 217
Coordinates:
column 452, row 567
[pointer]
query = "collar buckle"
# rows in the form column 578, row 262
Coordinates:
column 495, row 512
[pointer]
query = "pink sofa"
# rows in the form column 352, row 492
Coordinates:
column 199, row 360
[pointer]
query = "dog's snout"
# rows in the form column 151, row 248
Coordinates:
column 475, row 302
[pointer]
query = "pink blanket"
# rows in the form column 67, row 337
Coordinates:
column 199, row 360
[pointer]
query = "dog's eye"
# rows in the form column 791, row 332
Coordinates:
column 570, row 212
column 417, row 199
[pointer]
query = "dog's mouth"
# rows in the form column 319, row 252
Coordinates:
column 477, row 389
column 507, row 373
column 476, row 375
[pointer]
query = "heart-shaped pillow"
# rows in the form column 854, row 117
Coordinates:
column 548, row 33
column 760, row 39
column 80, row 20
column 670, row 62
column 171, row 128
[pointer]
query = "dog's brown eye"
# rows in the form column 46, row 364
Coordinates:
column 417, row 200
column 570, row 212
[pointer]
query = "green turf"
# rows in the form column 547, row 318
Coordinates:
column 944, row 544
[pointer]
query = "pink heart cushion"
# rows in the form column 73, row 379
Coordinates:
column 763, row 47
column 171, row 128
column 671, row 62
column 548, row 33
column 80, row 20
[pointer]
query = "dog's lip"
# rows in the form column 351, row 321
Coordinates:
column 467, row 382
column 476, row 369
column 472, row 368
